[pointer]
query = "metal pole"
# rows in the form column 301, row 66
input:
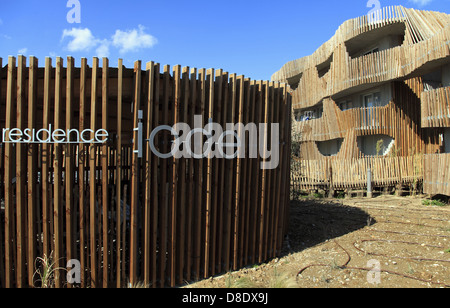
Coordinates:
column 369, row 183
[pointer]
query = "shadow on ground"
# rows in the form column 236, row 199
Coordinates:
column 315, row 221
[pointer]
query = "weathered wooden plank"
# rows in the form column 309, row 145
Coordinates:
column 20, row 176
column 32, row 156
column 105, row 175
column 148, row 235
column 69, row 168
column 46, row 158
column 155, row 183
column 209, row 176
column 135, row 177
column 82, row 181
column 9, row 165
column 2, row 151
column 57, row 174
column 92, row 176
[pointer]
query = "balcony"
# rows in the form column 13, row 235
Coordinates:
column 335, row 123
column 347, row 75
column 436, row 108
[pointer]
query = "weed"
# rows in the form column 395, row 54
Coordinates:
column 138, row 285
column 281, row 281
column 434, row 203
column 318, row 195
column 410, row 269
column 240, row 283
column 46, row 270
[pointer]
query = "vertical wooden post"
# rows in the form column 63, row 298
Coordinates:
column 265, row 90
column 2, row 151
column 192, row 194
column 46, row 159
column 209, row 175
column 237, row 205
column 82, row 156
column 173, row 186
column 92, row 176
column 135, row 176
column 9, row 153
column 148, row 235
column 104, row 159
column 20, row 176
column 120, row 211
column 57, row 173
column 32, row 169
column 69, row 170
column 155, row 210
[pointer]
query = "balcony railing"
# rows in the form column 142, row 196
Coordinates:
column 332, row 124
column 436, row 176
column 436, row 108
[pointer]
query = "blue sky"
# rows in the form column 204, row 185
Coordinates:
column 248, row 37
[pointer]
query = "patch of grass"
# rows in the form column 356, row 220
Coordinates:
column 138, row 285
column 281, row 281
column 340, row 195
column 317, row 195
column 410, row 269
column 434, row 203
column 447, row 251
column 240, row 283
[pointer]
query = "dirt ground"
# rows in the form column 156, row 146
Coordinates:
column 385, row 242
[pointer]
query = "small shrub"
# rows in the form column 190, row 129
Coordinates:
column 318, row 195
column 434, row 203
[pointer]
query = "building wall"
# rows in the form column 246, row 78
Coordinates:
column 447, row 140
column 446, row 76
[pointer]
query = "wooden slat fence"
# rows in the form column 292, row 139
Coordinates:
column 352, row 173
column 125, row 218
column 436, row 176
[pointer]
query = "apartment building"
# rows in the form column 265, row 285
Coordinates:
column 375, row 96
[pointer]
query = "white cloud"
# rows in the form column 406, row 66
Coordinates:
column 23, row 51
column 133, row 40
column 103, row 49
column 82, row 39
column 421, row 2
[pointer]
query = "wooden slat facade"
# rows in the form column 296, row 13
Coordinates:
column 410, row 44
column 130, row 219
column 436, row 107
column 436, row 176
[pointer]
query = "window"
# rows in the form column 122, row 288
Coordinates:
column 375, row 145
column 372, row 100
column 345, row 105
column 374, row 50
column 331, row 147
column 310, row 114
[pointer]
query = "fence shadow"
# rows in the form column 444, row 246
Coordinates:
column 315, row 221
